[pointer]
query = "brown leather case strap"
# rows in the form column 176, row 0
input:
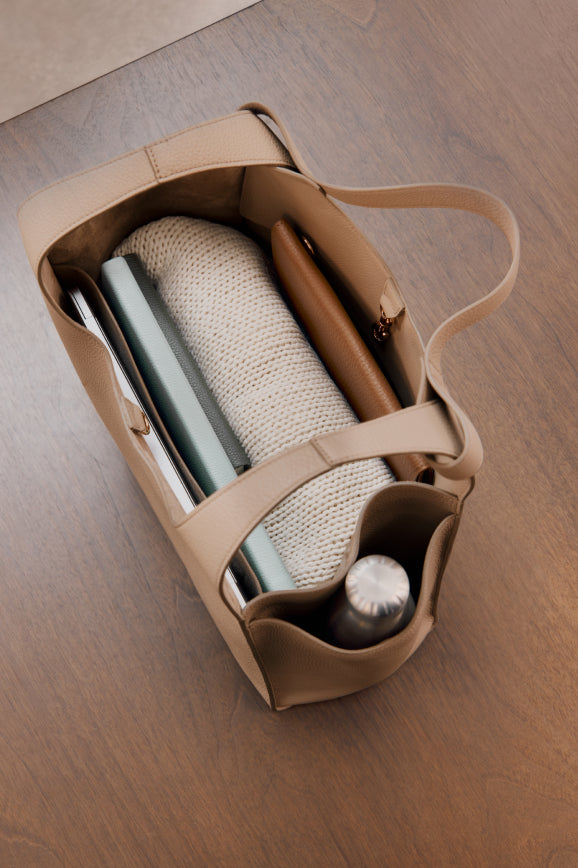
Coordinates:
column 238, row 139
column 433, row 196
column 218, row 526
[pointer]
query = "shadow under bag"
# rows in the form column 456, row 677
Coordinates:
column 236, row 171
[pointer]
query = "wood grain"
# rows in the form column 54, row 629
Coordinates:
column 128, row 736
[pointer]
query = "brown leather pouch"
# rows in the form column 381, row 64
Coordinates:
column 338, row 342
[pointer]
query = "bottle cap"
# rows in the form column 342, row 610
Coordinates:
column 377, row 586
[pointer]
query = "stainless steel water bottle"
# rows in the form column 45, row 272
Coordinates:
column 374, row 603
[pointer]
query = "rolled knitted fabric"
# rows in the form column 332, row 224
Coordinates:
column 269, row 382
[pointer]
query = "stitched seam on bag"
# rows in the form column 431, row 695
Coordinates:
column 448, row 546
column 319, row 448
column 260, row 663
column 152, row 161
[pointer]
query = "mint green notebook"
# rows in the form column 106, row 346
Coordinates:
column 237, row 455
column 180, row 409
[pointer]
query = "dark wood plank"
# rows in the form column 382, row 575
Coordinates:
column 128, row 736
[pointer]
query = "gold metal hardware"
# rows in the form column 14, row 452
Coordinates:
column 391, row 307
column 144, row 429
column 382, row 329
column 308, row 245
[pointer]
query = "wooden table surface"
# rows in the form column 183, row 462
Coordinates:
column 128, row 736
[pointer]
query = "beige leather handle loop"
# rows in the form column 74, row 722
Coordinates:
column 433, row 196
column 218, row 526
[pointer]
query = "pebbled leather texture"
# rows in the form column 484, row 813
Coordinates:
column 247, row 176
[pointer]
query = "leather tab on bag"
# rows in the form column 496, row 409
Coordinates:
column 137, row 420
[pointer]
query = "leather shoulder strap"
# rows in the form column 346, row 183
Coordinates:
column 218, row 526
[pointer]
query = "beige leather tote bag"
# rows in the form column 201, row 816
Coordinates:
column 235, row 170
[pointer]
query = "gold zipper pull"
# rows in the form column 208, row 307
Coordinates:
column 382, row 329
column 391, row 307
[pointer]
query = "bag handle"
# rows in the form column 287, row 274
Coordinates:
column 220, row 524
